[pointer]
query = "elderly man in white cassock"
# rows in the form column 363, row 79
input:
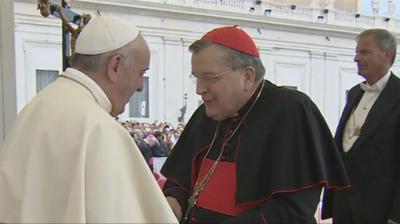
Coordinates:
column 66, row 159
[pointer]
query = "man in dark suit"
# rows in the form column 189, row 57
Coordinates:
column 368, row 137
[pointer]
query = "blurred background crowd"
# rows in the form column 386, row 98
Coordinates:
column 155, row 140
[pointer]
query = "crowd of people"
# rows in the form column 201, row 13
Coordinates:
column 155, row 139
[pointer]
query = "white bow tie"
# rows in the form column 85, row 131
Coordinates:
column 368, row 88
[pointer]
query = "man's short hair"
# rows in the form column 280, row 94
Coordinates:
column 91, row 63
column 234, row 59
column 383, row 38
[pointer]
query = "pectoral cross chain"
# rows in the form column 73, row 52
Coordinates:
column 357, row 131
column 192, row 201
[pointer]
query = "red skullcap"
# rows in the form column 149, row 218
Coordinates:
column 234, row 38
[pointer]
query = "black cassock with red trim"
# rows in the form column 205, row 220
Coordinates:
column 272, row 170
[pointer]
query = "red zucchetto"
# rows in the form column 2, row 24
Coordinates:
column 233, row 37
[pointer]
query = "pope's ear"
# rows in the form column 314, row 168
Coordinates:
column 113, row 66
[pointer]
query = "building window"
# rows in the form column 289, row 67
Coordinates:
column 139, row 102
column 44, row 78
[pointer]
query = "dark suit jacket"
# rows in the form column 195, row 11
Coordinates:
column 373, row 162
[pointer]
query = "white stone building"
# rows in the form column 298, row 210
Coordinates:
column 304, row 44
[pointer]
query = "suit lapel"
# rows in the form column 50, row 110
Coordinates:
column 381, row 108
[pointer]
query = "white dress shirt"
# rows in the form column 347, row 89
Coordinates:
column 359, row 114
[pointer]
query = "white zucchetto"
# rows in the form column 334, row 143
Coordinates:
column 105, row 34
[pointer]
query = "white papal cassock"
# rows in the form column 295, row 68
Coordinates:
column 68, row 160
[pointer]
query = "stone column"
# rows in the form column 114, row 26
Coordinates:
column 391, row 7
column 375, row 5
column 315, row 4
column 8, row 96
column 331, row 4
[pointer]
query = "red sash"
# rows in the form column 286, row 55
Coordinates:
column 219, row 193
